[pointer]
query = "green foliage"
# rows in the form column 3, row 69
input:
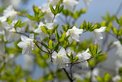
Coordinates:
column 89, row 26
column 38, row 14
column 97, row 56
column 57, row 9
column 19, row 23
column 107, row 78
column 75, row 14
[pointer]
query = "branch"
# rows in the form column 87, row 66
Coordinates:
column 71, row 79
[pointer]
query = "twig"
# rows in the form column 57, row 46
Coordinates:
column 119, row 8
column 71, row 80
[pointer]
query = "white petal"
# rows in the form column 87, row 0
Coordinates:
column 26, row 51
column 67, row 33
column 54, row 55
column 22, row 44
column 23, row 38
column 77, row 31
column 38, row 30
column 99, row 35
column 3, row 19
column 26, row 39
column 62, row 51
column 76, row 37
column 41, row 24
column 117, row 43
column 49, row 25
column 9, row 11
column 12, row 30
column 84, row 55
column 102, row 29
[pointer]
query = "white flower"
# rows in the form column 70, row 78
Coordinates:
column 98, row 32
column 10, row 27
column 38, row 30
column 69, row 4
column 48, row 25
column 117, row 78
column 3, row 19
column 60, row 58
column 8, row 12
column 48, row 17
column 70, row 52
column 84, row 55
column 118, row 47
column 26, row 44
column 74, row 33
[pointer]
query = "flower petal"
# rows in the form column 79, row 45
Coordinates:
column 62, row 51
column 101, row 29
column 22, row 44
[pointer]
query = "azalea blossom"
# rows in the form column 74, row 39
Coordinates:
column 69, row 4
column 48, row 17
column 8, row 31
column 118, row 47
column 74, row 33
column 8, row 12
column 98, row 32
column 116, row 78
column 39, row 31
column 60, row 58
column 85, row 55
column 26, row 44
column 10, row 27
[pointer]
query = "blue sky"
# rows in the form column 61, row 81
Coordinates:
column 97, row 8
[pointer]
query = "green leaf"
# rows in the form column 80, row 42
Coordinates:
column 52, row 9
column 50, row 44
column 57, row 35
column 44, row 29
column 114, row 30
column 9, row 20
column 66, row 12
column 101, row 57
column 19, row 23
column 63, row 36
column 92, row 63
column 31, row 17
column 107, row 77
column 120, row 71
column 36, row 10
column 99, row 79
column 93, row 49
column 78, row 13
column 60, row 9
